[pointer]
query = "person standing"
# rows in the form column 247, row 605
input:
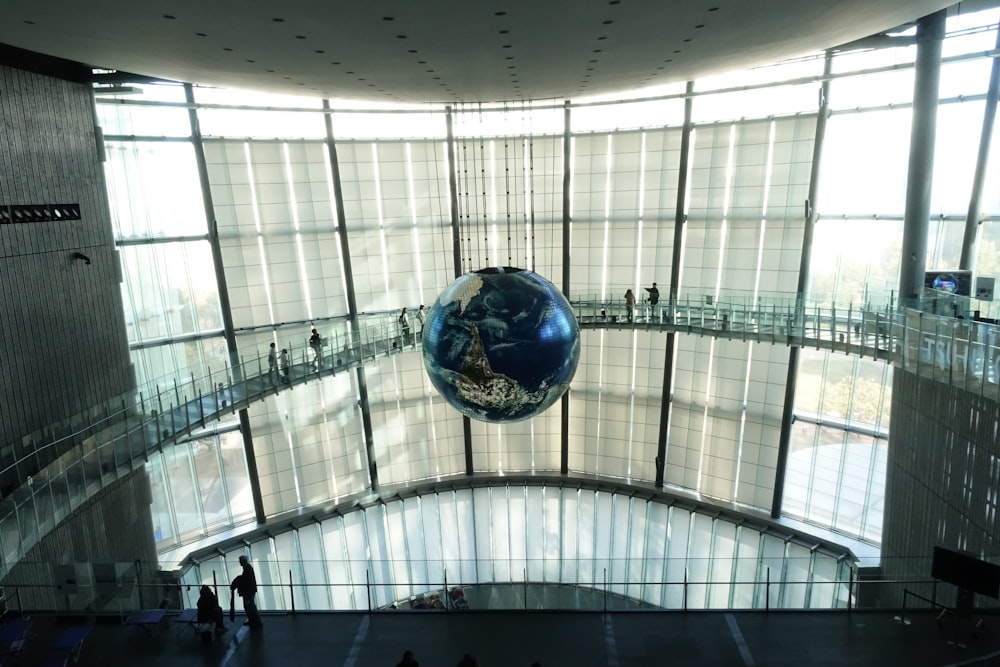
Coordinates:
column 283, row 365
column 421, row 317
column 654, row 298
column 629, row 304
column 404, row 326
column 272, row 360
column 316, row 344
column 245, row 584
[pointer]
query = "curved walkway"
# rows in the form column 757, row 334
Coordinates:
column 57, row 478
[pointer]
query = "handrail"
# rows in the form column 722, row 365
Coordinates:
column 947, row 349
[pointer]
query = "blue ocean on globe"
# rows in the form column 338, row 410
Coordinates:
column 501, row 344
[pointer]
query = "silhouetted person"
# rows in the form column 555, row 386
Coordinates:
column 316, row 345
column 245, row 584
column 408, row 660
column 654, row 298
column 629, row 304
column 272, row 360
column 209, row 610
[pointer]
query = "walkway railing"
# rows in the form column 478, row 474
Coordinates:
column 427, row 586
column 43, row 485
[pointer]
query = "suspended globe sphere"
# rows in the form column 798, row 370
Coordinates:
column 501, row 344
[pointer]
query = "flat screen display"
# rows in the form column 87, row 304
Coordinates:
column 957, row 282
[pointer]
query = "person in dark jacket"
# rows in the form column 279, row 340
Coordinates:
column 209, row 610
column 245, row 585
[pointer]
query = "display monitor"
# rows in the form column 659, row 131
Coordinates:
column 957, row 282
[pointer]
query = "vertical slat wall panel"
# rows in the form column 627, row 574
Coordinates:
column 942, row 481
column 63, row 328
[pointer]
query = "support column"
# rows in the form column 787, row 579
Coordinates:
column 352, row 301
column 968, row 259
column 224, row 305
column 680, row 219
column 801, row 290
column 456, row 244
column 913, row 262
column 567, row 171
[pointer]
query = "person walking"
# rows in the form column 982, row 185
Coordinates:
column 629, row 304
column 245, row 585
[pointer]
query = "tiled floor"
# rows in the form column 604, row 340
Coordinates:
column 517, row 639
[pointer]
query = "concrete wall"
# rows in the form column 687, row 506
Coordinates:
column 63, row 343
column 942, row 483
column 114, row 526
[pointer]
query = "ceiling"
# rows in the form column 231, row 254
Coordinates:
column 442, row 50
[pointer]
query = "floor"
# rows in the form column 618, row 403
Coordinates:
column 518, row 639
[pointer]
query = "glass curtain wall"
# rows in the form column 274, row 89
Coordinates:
column 643, row 550
column 748, row 177
column 836, row 467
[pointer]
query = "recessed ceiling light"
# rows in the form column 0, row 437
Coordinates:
column 400, row 36
column 30, row 22
column 421, row 62
column 615, row 2
column 287, row 78
column 388, row 18
column 700, row 25
column 300, row 36
column 334, row 62
column 688, row 39
column 269, row 70
column 677, row 50
column 169, row 16
column 226, row 48
column 499, row 13
column 361, row 78
column 320, row 51
column 201, row 34
column 608, row 22
column 348, row 72
column 251, row 61
column 505, row 46
column 597, row 50
column 593, row 61
column 511, row 66
column 602, row 37
column 590, row 69
column 504, row 32
column 713, row 9
column 508, row 57
column 278, row 20
column 430, row 71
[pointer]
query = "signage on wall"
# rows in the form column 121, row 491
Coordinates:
column 22, row 213
column 984, row 288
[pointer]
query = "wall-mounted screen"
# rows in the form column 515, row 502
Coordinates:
column 957, row 282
